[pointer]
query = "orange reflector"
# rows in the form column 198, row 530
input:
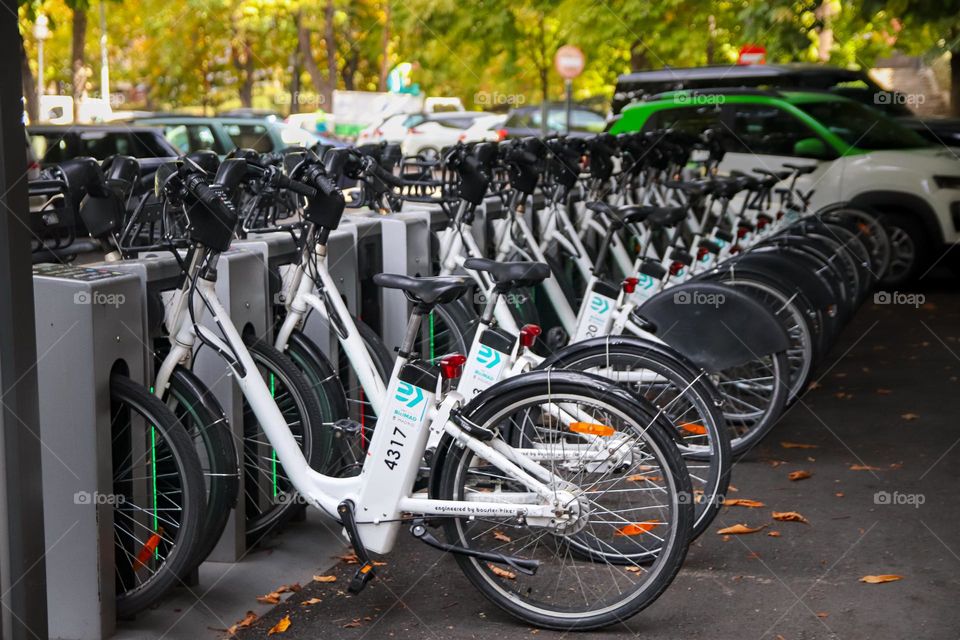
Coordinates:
column 694, row 428
column 636, row 528
column 592, row 429
column 366, row 568
column 149, row 547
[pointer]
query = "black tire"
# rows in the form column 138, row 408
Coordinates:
column 175, row 480
column 382, row 357
column 909, row 249
column 198, row 411
column 270, row 498
column 449, row 328
column 520, row 595
column 745, row 432
column 687, row 401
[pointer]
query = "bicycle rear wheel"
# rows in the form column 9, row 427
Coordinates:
column 158, row 496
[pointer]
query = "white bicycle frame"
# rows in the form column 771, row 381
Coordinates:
column 383, row 492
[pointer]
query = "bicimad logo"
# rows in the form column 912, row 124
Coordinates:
column 409, row 394
column 488, row 356
column 599, row 304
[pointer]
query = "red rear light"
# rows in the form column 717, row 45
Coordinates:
column 675, row 267
column 501, row 135
column 702, row 253
column 528, row 335
column 761, row 223
column 462, row 137
column 630, row 284
column 377, row 132
column 741, row 232
column 451, row 365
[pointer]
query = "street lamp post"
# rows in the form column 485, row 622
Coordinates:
column 41, row 31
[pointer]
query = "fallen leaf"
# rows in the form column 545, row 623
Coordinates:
column 839, row 494
column 753, row 555
column 350, row 558
column 733, row 488
column 798, row 445
column 503, row 573
column 884, row 392
column 823, row 614
column 896, row 465
column 270, row 598
column 799, row 475
column 813, row 385
column 811, row 459
column 292, row 588
column 248, row 620
column 776, row 463
column 280, row 627
column 307, row 603
column 773, row 534
column 636, row 528
column 634, row 569
column 840, row 375
column 353, row 624
column 880, row 579
column 789, row 516
column 740, row 529
column 840, row 395
column 909, row 416
column 642, row 478
column 324, row 578
column 743, row 502
column 502, row 537
column 863, row 467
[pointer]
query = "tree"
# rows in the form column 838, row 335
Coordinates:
column 79, row 42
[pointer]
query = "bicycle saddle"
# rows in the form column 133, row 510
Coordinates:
column 623, row 214
column 800, row 169
column 510, row 275
column 692, row 187
column 427, row 291
column 666, row 216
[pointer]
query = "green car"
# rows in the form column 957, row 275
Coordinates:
column 864, row 158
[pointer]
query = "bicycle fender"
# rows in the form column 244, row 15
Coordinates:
column 714, row 326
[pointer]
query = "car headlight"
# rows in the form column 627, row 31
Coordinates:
column 947, row 182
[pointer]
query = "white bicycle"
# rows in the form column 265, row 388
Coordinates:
column 566, row 525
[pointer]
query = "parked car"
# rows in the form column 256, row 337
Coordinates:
column 391, row 129
column 864, row 158
column 254, row 114
column 56, row 143
column 222, row 135
column 525, row 121
column 485, row 129
column 428, row 133
column 849, row 83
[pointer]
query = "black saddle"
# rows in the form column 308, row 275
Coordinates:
column 510, row 275
column 425, row 291
column 624, row 214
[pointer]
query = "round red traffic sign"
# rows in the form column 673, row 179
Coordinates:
column 569, row 61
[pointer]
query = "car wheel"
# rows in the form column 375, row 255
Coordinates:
column 909, row 249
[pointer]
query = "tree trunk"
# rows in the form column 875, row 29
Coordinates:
column 349, row 72
column 331, row 46
column 638, row 56
column 29, row 86
column 955, row 82
column 295, row 81
column 385, row 47
column 245, row 67
column 306, row 54
column 77, row 59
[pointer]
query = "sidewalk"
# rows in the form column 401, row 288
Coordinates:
column 888, row 399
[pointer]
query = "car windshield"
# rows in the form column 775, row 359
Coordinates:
column 862, row 127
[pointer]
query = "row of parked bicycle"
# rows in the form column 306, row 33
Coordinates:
column 571, row 389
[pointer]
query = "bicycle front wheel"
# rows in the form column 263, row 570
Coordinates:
column 633, row 512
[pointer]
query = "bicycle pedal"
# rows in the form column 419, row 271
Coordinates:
column 360, row 579
column 557, row 338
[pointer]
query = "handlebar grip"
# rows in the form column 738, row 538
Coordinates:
column 386, row 176
column 296, row 186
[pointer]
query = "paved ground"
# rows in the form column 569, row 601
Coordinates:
column 888, row 399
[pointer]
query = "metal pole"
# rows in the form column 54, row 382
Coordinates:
column 104, row 62
column 568, row 86
column 23, row 593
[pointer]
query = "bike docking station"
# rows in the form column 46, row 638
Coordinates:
column 89, row 323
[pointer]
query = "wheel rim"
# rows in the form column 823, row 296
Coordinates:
column 903, row 254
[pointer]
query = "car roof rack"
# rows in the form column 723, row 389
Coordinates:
column 707, row 91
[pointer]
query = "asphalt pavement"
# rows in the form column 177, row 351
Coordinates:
column 881, row 434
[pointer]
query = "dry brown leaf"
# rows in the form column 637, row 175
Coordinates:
column 743, row 502
column 884, row 392
column 839, row 494
column 789, row 516
column 823, row 614
column 881, row 579
column 909, row 416
column 776, row 463
column 811, row 459
column 799, row 475
column 637, row 528
column 307, row 603
column 634, row 569
column 280, row 627
column 503, row 573
column 350, row 558
column 324, row 578
column 248, row 620
column 733, row 488
column 270, row 598
column 740, row 529
column 896, row 465
column 501, row 536
column 292, row 588
column 773, row 534
column 840, row 395
column 798, row 445
column 642, row 478
column 353, row 624
column 813, row 385
column 863, row 467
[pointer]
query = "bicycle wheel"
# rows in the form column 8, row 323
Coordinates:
column 158, row 496
column 683, row 396
column 198, row 411
column 632, row 519
column 270, row 498
column 449, row 328
column 755, row 394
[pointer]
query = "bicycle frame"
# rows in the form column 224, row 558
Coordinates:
column 383, row 491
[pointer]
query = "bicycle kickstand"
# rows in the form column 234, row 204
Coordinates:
column 365, row 573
